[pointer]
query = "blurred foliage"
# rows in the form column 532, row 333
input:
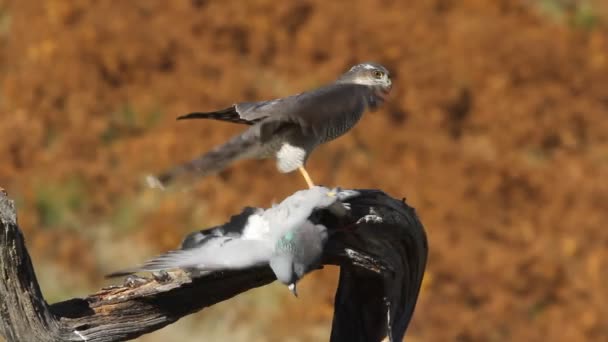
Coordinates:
column 578, row 13
column 126, row 216
column 5, row 21
column 61, row 204
column 495, row 131
column 128, row 122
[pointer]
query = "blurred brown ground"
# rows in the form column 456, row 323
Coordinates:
column 497, row 133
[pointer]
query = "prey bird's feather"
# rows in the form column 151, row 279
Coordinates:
column 220, row 253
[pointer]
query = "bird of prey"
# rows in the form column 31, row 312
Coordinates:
column 282, row 237
column 289, row 128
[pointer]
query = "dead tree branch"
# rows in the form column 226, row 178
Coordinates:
column 382, row 252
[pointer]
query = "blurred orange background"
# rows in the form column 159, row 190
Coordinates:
column 496, row 132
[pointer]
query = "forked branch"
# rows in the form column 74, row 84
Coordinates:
column 381, row 250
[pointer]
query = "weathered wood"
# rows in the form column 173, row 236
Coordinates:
column 381, row 250
column 22, row 308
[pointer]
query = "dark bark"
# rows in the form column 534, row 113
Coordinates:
column 382, row 263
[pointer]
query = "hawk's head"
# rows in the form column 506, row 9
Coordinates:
column 370, row 74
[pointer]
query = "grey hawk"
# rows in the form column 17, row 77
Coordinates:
column 289, row 128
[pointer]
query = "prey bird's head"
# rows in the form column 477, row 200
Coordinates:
column 369, row 74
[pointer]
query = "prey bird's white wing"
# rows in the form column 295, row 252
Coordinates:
column 281, row 236
column 218, row 253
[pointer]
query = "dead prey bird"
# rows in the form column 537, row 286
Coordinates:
column 282, row 237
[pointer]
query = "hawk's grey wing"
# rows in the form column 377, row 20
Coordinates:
column 301, row 108
column 325, row 111
column 219, row 253
column 322, row 114
column 213, row 161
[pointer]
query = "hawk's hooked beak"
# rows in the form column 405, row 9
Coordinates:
column 387, row 88
column 292, row 288
column 383, row 92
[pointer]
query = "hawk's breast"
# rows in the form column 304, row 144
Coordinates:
column 340, row 125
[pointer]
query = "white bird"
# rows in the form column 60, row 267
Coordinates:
column 282, row 237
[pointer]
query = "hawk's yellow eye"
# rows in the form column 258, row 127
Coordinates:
column 378, row 74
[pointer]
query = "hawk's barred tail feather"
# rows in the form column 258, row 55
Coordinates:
column 214, row 161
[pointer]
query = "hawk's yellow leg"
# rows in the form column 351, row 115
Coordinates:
column 306, row 177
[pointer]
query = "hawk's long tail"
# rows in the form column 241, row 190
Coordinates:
column 213, row 161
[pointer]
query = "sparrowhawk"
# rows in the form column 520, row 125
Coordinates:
column 289, row 128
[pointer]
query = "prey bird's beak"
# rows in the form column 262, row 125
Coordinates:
column 292, row 288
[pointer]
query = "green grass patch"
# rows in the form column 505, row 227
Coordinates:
column 60, row 204
column 126, row 216
column 577, row 14
column 5, row 22
column 128, row 122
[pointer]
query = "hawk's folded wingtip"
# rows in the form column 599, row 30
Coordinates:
column 194, row 115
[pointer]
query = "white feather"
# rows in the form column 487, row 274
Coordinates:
column 290, row 157
column 257, row 228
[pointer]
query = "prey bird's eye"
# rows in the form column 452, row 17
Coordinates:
column 378, row 74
